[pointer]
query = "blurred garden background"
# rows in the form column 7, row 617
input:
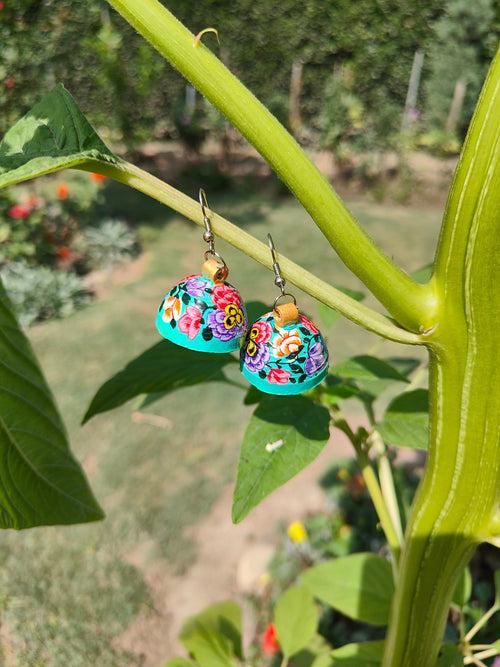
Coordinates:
column 380, row 93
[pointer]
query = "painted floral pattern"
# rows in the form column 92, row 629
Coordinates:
column 281, row 355
column 199, row 307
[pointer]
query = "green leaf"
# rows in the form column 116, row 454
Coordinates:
column 450, row 656
column 254, row 396
column 373, row 374
column 296, row 619
column 359, row 586
column 164, row 368
column 406, row 420
column 497, row 588
column 53, row 135
column 316, row 654
column 40, row 481
column 180, row 662
column 423, row 274
column 367, row 654
column 302, row 428
column 213, row 636
column 463, row 589
column 329, row 316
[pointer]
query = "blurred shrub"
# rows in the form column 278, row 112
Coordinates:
column 40, row 293
column 466, row 40
column 39, row 224
column 106, row 245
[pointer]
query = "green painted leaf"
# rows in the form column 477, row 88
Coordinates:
column 300, row 424
column 359, row 586
column 450, row 656
column 164, row 368
column 213, row 637
column 406, row 420
column 296, row 619
column 329, row 316
column 40, row 481
column 463, row 589
column 53, row 135
column 371, row 373
column 366, row 654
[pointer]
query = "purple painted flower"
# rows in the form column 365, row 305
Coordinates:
column 196, row 285
column 257, row 359
column 226, row 325
column 316, row 359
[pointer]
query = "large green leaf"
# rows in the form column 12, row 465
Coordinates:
column 359, row 586
column 463, row 589
column 406, row 420
column 366, row 654
column 40, row 481
column 284, row 435
column 53, row 135
column 296, row 619
column 213, row 636
column 163, row 368
column 372, row 374
column 450, row 656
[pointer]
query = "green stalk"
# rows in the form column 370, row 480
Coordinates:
column 373, row 487
column 459, row 495
column 412, row 304
column 134, row 177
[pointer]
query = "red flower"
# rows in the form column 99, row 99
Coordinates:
column 278, row 376
column 261, row 331
column 97, row 178
column 63, row 253
column 224, row 295
column 190, row 322
column 9, row 83
column 269, row 641
column 62, row 191
column 2, row 6
column 308, row 324
column 19, row 212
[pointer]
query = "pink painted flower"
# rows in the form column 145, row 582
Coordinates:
column 261, row 331
column 190, row 322
column 224, row 295
column 171, row 309
column 278, row 376
column 19, row 211
column 287, row 342
column 269, row 640
column 308, row 324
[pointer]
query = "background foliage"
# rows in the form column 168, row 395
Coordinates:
column 126, row 88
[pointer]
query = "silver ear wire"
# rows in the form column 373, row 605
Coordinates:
column 208, row 235
column 279, row 281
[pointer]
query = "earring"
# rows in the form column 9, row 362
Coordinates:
column 283, row 352
column 204, row 312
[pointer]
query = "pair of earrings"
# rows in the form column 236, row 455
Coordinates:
column 282, row 352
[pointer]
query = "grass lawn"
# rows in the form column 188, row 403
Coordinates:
column 67, row 592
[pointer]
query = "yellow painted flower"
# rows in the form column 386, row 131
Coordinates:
column 297, row 532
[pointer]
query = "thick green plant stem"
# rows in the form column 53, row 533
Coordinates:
column 411, row 304
column 134, row 177
column 459, row 494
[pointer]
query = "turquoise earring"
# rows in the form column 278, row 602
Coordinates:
column 283, row 352
column 203, row 312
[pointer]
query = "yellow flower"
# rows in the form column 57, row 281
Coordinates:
column 297, row 532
